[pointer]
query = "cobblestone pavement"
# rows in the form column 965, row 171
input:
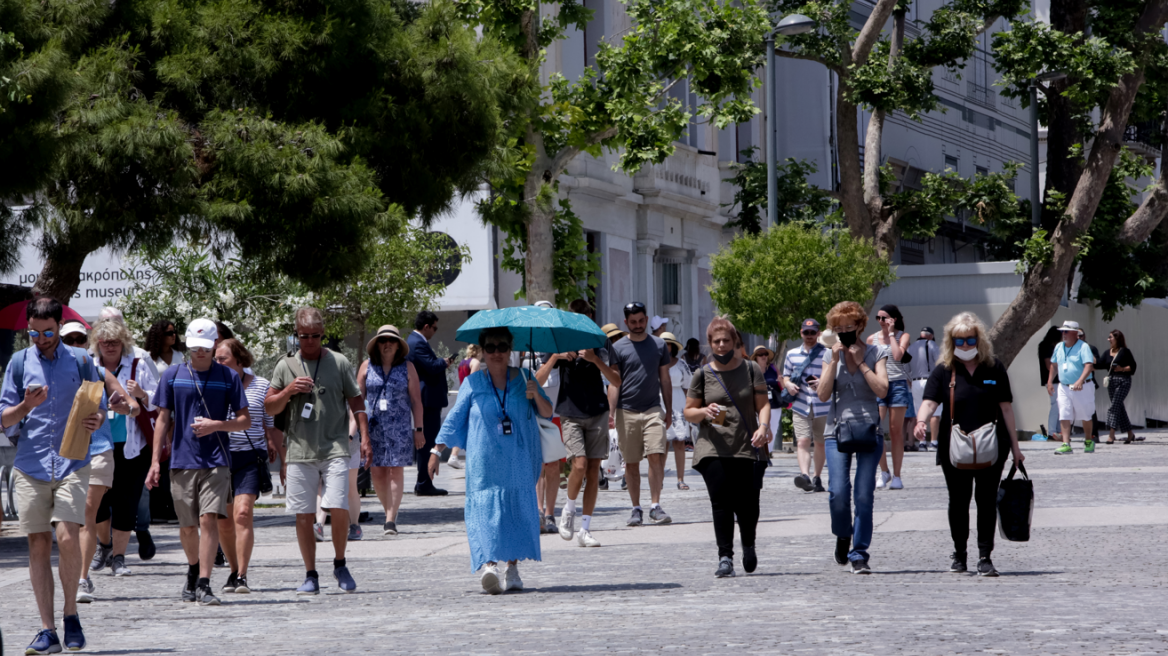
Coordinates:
column 1089, row 582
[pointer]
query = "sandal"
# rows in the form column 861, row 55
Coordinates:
column 682, row 486
column 1110, row 442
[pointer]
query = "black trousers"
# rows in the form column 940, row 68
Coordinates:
column 431, row 424
column 120, row 503
column 980, row 485
column 733, row 493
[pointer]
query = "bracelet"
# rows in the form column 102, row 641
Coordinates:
column 436, row 452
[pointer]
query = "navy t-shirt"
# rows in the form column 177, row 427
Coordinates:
column 178, row 391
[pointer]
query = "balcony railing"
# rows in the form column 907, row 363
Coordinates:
column 980, row 93
column 1147, row 133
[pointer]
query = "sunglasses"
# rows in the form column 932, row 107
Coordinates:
column 635, row 306
column 169, row 333
column 965, row 341
column 386, row 340
column 48, row 334
column 105, row 343
column 74, row 340
column 493, row 347
column 312, row 336
column 810, row 333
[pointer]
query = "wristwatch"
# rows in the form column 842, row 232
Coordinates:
column 417, row 429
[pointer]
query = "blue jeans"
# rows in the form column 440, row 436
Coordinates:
column 839, row 488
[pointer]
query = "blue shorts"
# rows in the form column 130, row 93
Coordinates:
column 245, row 477
column 898, row 396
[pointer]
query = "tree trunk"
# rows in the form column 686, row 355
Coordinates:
column 1139, row 226
column 1062, row 170
column 540, row 256
column 851, row 177
column 61, row 274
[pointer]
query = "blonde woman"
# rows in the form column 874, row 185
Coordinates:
column 981, row 395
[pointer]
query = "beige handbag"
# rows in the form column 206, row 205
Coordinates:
column 975, row 450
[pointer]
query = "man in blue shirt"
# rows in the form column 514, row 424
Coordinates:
column 193, row 401
column 50, row 489
column 1071, row 365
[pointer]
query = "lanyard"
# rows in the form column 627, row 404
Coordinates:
column 315, row 371
column 502, row 401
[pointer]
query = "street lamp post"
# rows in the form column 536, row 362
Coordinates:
column 790, row 25
column 1035, row 205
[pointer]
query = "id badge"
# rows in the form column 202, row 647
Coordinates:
column 383, row 405
column 306, row 413
column 109, row 414
column 506, row 425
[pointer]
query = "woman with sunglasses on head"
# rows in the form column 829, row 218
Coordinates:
column 393, row 398
column 163, row 345
column 973, row 390
column 854, row 378
column 897, row 403
column 494, row 421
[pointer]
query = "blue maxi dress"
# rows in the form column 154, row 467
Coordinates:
column 502, row 523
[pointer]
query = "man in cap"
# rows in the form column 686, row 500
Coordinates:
column 1072, row 365
column 194, row 402
column 924, row 354
column 801, row 371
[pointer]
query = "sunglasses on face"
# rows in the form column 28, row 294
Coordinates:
column 965, row 341
column 810, row 333
column 493, row 347
column 105, row 343
column 47, row 334
column 308, row 336
column 169, row 333
column 386, row 340
column 74, row 340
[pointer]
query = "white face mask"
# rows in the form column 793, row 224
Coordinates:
column 965, row 354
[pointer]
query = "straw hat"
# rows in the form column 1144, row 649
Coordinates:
column 670, row 339
column 612, row 331
column 760, row 347
column 392, row 333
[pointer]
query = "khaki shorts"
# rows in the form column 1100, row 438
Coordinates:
column 586, row 438
column 199, row 492
column 101, row 469
column 809, row 428
column 305, row 478
column 640, row 434
column 41, row 504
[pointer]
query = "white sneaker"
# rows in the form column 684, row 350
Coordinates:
column 567, row 525
column 455, row 463
column 882, row 479
column 491, row 580
column 85, row 591
column 585, row 539
column 896, row 484
column 512, row 580
column 318, row 531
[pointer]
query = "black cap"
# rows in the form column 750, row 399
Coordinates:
column 809, row 323
column 927, row 329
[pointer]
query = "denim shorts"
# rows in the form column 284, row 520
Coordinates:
column 899, row 395
column 245, row 477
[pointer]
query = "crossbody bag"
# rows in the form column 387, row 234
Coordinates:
column 261, row 462
column 761, row 455
column 1107, row 378
column 974, row 450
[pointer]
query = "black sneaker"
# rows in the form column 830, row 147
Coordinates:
column 205, row 597
column 241, row 586
column 220, row 559
column 749, row 559
column 958, row 565
column 188, row 591
column 624, row 483
column 725, row 568
column 231, row 584
column 861, row 567
column 390, row 528
column 602, row 484
column 803, row 482
column 818, row 484
column 146, row 548
column 842, row 547
column 986, row 568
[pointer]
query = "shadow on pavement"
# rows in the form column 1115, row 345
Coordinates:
column 419, row 516
column 609, row 587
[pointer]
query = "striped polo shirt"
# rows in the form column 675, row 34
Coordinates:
column 806, row 400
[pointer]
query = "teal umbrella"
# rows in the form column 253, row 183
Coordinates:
column 545, row 330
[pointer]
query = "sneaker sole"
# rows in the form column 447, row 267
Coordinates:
column 305, row 593
column 243, row 591
column 491, row 583
column 389, row 533
column 209, row 603
column 862, row 571
column 667, row 520
column 991, row 575
column 122, row 573
column 85, row 598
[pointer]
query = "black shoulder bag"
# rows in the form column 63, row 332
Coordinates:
column 785, row 397
column 761, row 459
column 852, row 435
column 261, row 462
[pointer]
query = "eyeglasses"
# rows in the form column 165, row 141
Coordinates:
column 47, row 334
column 312, row 336
column 965, row 341
column 106, row 343
column 496, row 347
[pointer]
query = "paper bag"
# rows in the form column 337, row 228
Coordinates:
column 75, row 444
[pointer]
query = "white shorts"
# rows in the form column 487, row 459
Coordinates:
column 918, row 394
column 306, row 478
column 1076, row 406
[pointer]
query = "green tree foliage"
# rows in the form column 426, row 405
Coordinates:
column 769, row 282
column 286, row 132
column 797, row 200
column 620, row 103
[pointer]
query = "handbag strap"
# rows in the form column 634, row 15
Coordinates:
column 1113, row 360
column 797, row 372
column 952, row 394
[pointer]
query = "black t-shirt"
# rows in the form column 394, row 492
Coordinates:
column 1045, row 351
column 977, row 396
column 1123, row 359
column 582, row 390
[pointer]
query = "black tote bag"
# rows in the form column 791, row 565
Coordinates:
column 1015, row 506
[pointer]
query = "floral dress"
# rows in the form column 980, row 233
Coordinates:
column 391, row 430
column 501, row 470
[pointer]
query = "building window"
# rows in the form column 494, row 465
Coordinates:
column 950, row 163
column 670, row 284
column 981, row 170
column 912, row 251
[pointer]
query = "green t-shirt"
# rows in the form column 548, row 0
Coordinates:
column 325, row 435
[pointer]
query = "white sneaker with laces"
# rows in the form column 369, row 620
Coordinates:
column 896, row 484
column 585, row 539
column 567, row 524
column 882, row 479
column 512, row 580
column 491, row 580
column 455, row 463
column 85, row 591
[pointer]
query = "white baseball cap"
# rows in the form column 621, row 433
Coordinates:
column 202, row 333
column 656, row 322
column 71, row 327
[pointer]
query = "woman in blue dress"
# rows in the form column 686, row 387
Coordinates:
column 393, row 400
column 494, row 421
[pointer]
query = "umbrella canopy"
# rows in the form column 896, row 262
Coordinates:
column 546, row 330
column 14, row 317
